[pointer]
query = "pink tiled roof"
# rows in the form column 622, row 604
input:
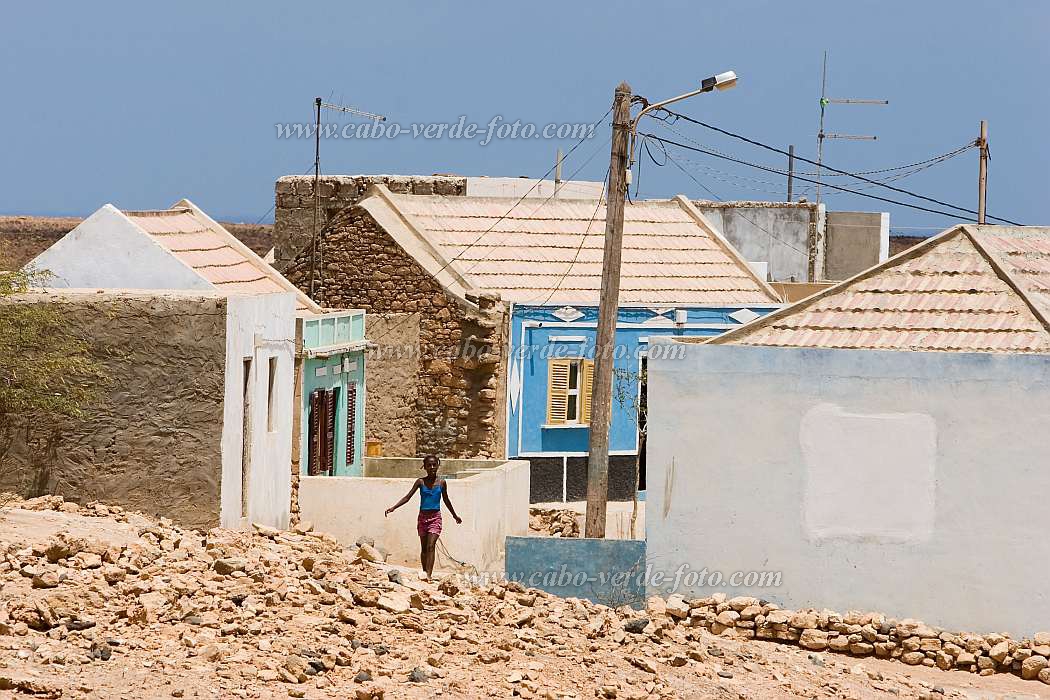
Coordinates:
column 970, row 289
column 551, row 251
column 211, row 251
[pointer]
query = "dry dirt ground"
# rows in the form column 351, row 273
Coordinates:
column 99, row 603
column 22, row 238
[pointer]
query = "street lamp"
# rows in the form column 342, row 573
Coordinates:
column 624, row 136
column 722, row 81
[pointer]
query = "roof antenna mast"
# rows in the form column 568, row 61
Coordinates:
column 824, row 102
column 314, row 238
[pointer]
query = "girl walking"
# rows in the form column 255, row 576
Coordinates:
column 432, row 491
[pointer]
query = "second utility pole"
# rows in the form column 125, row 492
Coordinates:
column 608, row 308
column 982, row 174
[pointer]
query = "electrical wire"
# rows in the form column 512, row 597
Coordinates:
column 461, row 563
column 501, row 218
column 274, row 205
column 905, row 170
column 714, row 194
column 768, row 169
column 576, row 255
column 836, row 170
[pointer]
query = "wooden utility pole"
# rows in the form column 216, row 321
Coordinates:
column 791, row 169
column 982, row 178
column 317, row 195
column 608, row 308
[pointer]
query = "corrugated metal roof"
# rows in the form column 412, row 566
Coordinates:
column 211, row 251
column 551, row 251
column 970, row 289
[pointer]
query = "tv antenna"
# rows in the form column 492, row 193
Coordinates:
column 318, row 106
column 824, row 102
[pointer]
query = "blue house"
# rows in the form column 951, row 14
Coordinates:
column 680, row 277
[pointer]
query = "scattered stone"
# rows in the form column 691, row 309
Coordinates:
column 369, row 553
column 228, row 566
column 418, row 675
column 636, row 625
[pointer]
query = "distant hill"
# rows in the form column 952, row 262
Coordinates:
column 22, row 238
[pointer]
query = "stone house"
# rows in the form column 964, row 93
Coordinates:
column 464, row 280
column 183, row 248
column 191, row 420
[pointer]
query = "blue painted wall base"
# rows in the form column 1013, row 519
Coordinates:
column 610, row 572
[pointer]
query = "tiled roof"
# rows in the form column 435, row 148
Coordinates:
column 213, row 252
column 551, row 251
column 970, row 289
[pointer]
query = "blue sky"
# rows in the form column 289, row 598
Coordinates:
column 140, row 104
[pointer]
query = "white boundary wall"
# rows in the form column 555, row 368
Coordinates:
column 493, row 502
column 259, row 327
column 913, row 484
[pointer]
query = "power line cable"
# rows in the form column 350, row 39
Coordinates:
column 767, row 169
column 583, row 238
column 707, row 189
column 835, row 170
column 506, row 214
column 915, row 167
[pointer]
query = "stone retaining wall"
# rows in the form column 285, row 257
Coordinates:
column 861, row 634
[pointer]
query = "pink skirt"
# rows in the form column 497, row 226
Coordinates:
column 429, row 523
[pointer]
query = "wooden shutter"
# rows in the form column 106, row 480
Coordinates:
column 557, row 390
column 351, row 422
column 586, row 384
column 331, row 405
column 313, row 467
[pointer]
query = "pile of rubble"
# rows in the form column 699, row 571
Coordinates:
column 866, row 634
column 554, row 522
column 98, row 602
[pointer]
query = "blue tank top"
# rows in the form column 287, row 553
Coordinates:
column 429, row 499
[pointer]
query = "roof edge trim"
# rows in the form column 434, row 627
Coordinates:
column 897, row 259
column 689, row 208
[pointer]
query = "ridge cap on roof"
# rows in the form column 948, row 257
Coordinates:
column 802, row 304
column 474, row 198
column 156, row 212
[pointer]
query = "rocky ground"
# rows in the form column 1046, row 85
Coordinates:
column 548, row 522
column 96, row 602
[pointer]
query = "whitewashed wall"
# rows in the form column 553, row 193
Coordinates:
column 915, row 484
column 106, row 250
column 493, row 502
column 259, row 327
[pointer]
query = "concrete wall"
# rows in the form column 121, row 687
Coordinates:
column 610, row 572
column 150, row 440
column 914, row 484
column 530, row 187
column 493, row 502
column 787, row 235
column 259, row 327
column 856, row 240
column 106, row 250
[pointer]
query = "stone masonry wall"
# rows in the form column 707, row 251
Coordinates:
column 294, row 203
column 460, row 357
column 151, row 440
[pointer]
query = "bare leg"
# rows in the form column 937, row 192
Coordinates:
column 431, row 547
column 423, row 551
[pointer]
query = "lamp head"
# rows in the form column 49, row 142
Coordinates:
column 722, row 81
